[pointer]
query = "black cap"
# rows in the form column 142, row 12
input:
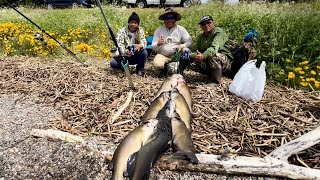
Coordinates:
column 205, row 18
column 134, row 16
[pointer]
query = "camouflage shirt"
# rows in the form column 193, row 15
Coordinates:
column 124, row 39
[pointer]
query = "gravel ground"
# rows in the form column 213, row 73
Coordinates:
column 25, row 157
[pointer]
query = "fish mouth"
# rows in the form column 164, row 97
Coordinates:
column 151, row 122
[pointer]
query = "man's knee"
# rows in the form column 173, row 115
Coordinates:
column 159, row 62
column 115, row 64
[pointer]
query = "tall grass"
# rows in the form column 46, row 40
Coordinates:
column 285, row 30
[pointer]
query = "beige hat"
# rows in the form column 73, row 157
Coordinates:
column 170, row 11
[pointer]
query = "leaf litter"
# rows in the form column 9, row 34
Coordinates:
column 89, row 96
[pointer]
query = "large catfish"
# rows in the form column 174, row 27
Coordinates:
column 182, row 108
column 182, row 142
column 170, row 83
column 149, row 153
column 155, row 106
column 131, row 144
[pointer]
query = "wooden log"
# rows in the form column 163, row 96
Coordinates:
column 56, row 135
column 239, row 165
column 297, row 145
column 122, row 108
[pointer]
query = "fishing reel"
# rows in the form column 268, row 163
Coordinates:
column 38, row 36
column 176, row 65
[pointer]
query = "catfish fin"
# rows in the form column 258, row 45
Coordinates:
column 131, row 165
column 186, row 155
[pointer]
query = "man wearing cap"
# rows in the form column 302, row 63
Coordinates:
column 212, row 56
column 132, row 42
column 168, row 38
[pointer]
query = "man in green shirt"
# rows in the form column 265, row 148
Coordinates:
column 212, row 56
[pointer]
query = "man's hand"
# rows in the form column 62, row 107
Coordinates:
column 129, row 53
column 199, row 57
column 161, row 41
column 180, row 47
column 247, row 45
column 138, row 47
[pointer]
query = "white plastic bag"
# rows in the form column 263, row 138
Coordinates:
column 249, row 81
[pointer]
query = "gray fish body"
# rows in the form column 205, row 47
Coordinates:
column 185, row 92
column 130, row 144
column 182, row 141
column 182, row 108
column 170, row 83
column 150, row 152
column 155, row 107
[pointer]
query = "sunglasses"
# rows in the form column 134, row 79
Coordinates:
column 169, row 18
column 205, row 23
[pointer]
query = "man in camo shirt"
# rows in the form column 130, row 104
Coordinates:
column 132, row 42
column 212, row 56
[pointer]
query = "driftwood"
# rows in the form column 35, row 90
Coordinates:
column 122, row 108
column 274, row 164
column 56, row 135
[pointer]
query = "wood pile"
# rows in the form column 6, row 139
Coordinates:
column 89, row 96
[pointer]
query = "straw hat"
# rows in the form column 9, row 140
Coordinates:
column 170, row 11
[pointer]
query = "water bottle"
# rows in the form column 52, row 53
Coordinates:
column 186, row 55
column 133, row 48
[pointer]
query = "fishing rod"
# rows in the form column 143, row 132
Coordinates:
column 124, row 62
column 43, row 31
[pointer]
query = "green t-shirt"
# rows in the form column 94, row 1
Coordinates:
column 215, row 42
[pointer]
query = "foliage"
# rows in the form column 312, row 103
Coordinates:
column 286, row 31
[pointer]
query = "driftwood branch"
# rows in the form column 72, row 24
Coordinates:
column 122, row 108
column 56, row 135
column 297, row 145
column 239, row 165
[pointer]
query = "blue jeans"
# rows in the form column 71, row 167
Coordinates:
column 139, row 58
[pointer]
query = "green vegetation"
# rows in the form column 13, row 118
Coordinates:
column 286, row 31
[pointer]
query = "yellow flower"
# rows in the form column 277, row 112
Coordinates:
column 316, row 84
column 297, row 69
column 84, row 47
column 304, row 84
column 301, row 72
column 308, row 79
column 291, row 75
column 313, row 72
column 318, row 67
column 288, row 60
column 303, row 80
column 306, row 68
column 301, row 77
column 305, row 62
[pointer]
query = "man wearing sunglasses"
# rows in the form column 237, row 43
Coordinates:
column 212, row 56
column 168, row 38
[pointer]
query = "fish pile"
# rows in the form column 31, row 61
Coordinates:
column 166, row 123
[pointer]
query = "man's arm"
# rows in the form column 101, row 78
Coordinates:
column 193, row 55
column 142, row 38
column 186, row 38
column 121, row 36
column 155, row 40
column 219, row 40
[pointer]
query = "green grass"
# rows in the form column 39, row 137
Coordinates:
column 286, row 31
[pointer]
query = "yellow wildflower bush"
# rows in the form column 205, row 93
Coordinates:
column 18, row 39
column 303, row 75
